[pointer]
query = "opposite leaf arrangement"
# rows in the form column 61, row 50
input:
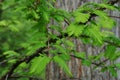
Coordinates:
column 30, row 41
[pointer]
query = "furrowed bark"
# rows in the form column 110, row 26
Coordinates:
column 40, row 50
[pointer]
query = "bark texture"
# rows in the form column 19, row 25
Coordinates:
column 82, row 72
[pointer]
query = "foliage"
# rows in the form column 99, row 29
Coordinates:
column 27, row 37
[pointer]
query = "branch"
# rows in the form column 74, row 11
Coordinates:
column 2, row 62
column 40, row 50
column 115, row 16
column 113, row 2
column 96, row 64
column 16, row 77
column 112, row 43
column 103, row 61
column 18, row 62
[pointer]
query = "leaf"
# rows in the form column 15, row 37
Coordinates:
column 39, row 64
column 3, row 71
column 106, row 23
column 4, row 23
column 45, row 16
column 23, row 65
column 86, row 62
column 63, row 65
column 11, row 54
column 104, row 69
column 23, row 79
column 60, row 49
column 75, row 30
column 69, row 43
column 7, row 4
column 112, row 70
column 94, row 32
column 31, row 48
column 86, row 40
column 110, row 51
column 108, row 6
column 13, row 28
column 98, row 56
column 59, row 18
column 100, row 13
column 80, row 55
column 65, row 57
column 11, row 61
column 117, row 65
column 35, row 15
column 105, row 1
column 113, row 39
column 81, row 17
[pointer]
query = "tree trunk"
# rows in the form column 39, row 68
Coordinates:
column 81, row 72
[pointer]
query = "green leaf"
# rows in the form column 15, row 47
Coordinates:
column 69, row 43
column 23, row 79
column 65, row 57
column 11, row 61
column 63, row 65
column 45, row 16
column 80, row 55
column 81, row 17
column 98, row 57
column 60, row 49
column 75, row 30
column 39, row 64
column 59, row 18
column 94, row 32
column 23, row 65
column 110, row 51
column 105, row 1
column 86, row 62
column 113, row 71
column 100, row 13
column 113, row 39
column 11, row 54
column 31, row 48
column 7, row 4
column 4, row 23
column 13, row 28
column 106, row 23
column 35, row 15
column 117, row 65
column 103, row 5
column 104, row 69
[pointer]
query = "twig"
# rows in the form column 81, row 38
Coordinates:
column 18, row 62
column 2, row 62
column 96, row 64
column 115, row 16
column 112, row 43
column 102, row 62
column 16, row 77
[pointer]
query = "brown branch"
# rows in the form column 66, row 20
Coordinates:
column 113, row 2
column 103, row 61
column 66, row 22
column 2, row 62
column 18, row 62
column 96, row 64
column 112, row 43
column 16, row 77
column 115, row 16
column 40, row 50
column 1, row 1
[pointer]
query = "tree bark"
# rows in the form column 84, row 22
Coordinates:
column 82, row 72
